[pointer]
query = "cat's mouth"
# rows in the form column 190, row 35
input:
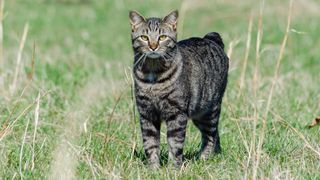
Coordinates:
column 153, row 55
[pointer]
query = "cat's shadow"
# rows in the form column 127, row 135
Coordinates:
column 188, row 156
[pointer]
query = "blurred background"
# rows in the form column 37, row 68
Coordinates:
column 66, row 104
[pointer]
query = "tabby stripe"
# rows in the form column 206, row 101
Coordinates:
column 142, row 104
column 210, row 140
column 135, row 38
column 142, row 79
column 149, row 132
column 173, row 132
column 137, row 46
column 149, row 25
column 144, row 117
column 151, row 150
column 218, row 55
column 152, row 147
column 175, row 104
column 168, row 76
column 142, row 97
column 179, row 152
column 201, row 92
column 208, row 135
column 183, row 123
column 210, row 62
column 209, row 129
column 220, row 51
column 178, row 140
column 168, row 93
column 172, row 117
column 143, row 100
column 172, row 39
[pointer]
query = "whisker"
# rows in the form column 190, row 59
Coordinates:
column 143, row 61
column 163, row 56
column 137, row 54
column 137, row 62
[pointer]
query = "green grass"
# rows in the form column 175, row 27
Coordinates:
column 83, row 51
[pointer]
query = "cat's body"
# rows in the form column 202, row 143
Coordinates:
column 186, row 80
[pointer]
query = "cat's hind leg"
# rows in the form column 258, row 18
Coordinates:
column 208, row 126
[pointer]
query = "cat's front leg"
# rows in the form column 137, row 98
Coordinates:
column 150, row 127
column 176, row 131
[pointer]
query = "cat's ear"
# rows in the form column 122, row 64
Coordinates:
column 135, row 19
column 172, row 19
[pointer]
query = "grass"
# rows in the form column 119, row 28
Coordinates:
column 82, row 59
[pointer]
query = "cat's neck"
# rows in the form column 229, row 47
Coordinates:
column 161, row 64
column 153, row 68
column 157, row 65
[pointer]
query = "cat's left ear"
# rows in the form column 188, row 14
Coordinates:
column 172, row 19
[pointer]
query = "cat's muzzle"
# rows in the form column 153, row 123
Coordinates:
column 153, row 55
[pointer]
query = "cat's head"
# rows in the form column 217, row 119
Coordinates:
column 153, row 36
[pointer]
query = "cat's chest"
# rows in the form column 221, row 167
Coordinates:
column 150, row 77
column 153, row 89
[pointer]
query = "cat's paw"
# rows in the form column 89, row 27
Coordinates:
column 205, row 154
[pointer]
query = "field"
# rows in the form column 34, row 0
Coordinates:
column 66, row 105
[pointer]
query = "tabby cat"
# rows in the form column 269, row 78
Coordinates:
column 175, row 81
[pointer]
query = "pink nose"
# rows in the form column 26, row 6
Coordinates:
column 153, row 46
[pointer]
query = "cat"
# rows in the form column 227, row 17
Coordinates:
column 175, row 81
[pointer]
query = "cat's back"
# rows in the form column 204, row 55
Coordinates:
column 205, row 53
column 210, row 39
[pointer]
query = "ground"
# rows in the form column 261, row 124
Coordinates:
column 66, row 106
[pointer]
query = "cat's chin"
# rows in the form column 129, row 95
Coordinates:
column 153, row 55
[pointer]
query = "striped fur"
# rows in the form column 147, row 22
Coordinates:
column 175, row 82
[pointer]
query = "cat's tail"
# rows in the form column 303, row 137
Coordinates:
column 215, row 37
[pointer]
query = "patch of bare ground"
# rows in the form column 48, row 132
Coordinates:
column 65, row 156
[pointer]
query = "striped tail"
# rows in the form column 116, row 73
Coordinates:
column 215, row 37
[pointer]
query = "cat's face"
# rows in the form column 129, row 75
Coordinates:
column 153, row 36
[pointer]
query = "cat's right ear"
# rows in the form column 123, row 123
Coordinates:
column 135, row 19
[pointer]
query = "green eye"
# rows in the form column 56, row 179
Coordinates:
column 144, row 38
column 162, row 37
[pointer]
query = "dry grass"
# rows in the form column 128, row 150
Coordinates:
column 18, row 64
column 1, row 33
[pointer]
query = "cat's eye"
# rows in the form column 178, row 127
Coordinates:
column 162, row 37
column 144, row 38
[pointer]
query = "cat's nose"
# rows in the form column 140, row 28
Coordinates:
column 153, row 46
